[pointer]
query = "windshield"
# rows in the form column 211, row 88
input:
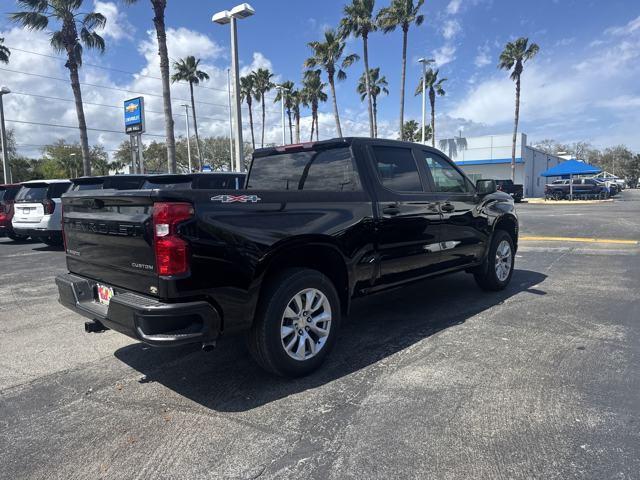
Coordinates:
column 35, row 193
column 328, row 170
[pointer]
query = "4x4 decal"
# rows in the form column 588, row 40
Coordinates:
column 236, row 198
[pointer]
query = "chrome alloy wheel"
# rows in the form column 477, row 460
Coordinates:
column 306, row 323
column 503, row 260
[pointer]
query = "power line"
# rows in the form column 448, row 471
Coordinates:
column 55, row 125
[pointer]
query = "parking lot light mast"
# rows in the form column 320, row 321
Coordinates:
column 241, row 11
column 231, row 160
column 3, row 138
column 282, row 91
column 186, row 111
column 424, row 62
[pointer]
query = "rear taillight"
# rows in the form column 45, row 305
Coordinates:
column 49, row 206
column 172, row 252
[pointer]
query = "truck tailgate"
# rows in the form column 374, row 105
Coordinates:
column 109, row 238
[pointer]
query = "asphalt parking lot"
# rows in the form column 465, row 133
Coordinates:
column 439, row 380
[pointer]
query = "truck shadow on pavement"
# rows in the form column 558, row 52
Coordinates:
column 227, row 380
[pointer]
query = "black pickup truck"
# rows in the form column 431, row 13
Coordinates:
column 516, row 190
column 317, row 225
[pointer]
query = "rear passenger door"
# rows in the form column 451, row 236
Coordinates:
column 463, row 235
column 408, row 219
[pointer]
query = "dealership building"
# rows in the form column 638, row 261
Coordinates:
column 490, row 157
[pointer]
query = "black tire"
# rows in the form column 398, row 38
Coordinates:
column 53, row 241
column 265, row 343
column 17, row 238
column 486, row 276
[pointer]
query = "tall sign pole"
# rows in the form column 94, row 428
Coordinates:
column 236, row 95
column 134, row 125
column 3, row 140
column 186, row 111
column 230, row 120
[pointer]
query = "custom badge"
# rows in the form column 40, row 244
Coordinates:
column 236, row 198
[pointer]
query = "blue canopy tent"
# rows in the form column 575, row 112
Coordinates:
column 569, row 169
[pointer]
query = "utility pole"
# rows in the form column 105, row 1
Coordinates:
column 186, row 111
column 230, row 121
column 424, row 61
column 3, row 139
column 282, row 91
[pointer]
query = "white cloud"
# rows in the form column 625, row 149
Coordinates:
column 117, row 26
column 483, row 57
column 454, row 7
column 450, row 29
column 444, row 54
column 629, row 28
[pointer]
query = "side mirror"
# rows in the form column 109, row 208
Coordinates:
column 485, row 187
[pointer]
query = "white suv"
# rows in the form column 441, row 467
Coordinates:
column 38, row 210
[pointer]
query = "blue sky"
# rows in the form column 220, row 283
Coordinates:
column 582, row 86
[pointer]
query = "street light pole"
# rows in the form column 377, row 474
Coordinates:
column 3, row 139
column 424, row 61
column 186, row 111
column 243, row 10
column 282, row 89
column 230, row 121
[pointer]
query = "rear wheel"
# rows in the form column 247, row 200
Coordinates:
column 296, row 323
column 53, row 240
column 495, row 274
column 17, row 238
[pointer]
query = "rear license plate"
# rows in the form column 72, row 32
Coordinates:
column 104, row 294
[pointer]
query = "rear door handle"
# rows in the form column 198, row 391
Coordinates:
column 391, row 209
column 447, row 207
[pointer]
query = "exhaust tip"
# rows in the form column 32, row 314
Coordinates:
column 208, row 346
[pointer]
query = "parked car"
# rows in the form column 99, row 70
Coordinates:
column 582, row 188
column 514, row 189
column 108, row 182
column 319, row 224
column 38, row 210
column 7, row 197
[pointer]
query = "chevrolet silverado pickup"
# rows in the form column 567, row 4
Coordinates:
column 316, row 225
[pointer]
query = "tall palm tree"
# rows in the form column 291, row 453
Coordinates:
column 312, row 94
column 514, row 56
column 296, row 101
column 4, row 52
column 402, row 13
column 377, row 86
column 186, row 70
column 159, row 7
column 434, row 87
column 247, row 91
column 358, row 21
column 287, row 88
column 262, row 84
column 75, row 30
column 328, row 55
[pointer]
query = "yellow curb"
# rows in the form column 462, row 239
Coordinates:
column 577, row 239
column 542, row 201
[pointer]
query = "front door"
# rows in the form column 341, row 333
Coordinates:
column 463, row 236
column 408, row 224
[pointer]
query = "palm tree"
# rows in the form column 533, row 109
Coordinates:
column 296, row 100
column 377, row 85
column 76, row 29
column 312, row 94
column 262, row 84
column 514, row 56
column 434, row 86
column 358, row 21
column 401, row 13
column 186, row 70
column 287, row 88
column 247, row 91
column 4, row 52
column 410, row 131
column 159, row 7
column 328, row 55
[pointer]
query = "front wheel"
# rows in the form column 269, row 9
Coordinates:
column 296, row 323
column 495, row 274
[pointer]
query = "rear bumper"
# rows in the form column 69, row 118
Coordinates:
column 143, row 318
column 35, row 232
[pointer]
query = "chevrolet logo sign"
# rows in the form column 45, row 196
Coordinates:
column 132, row 107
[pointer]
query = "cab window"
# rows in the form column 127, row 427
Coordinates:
column 397, row 169
column 446, row 178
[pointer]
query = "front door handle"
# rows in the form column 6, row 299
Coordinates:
column 391, row 209
column 447, row 207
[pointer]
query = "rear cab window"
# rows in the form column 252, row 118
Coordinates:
column 167, row 184
column 8, row 194
column 219, row 181
column 323, row 169
column 396, row 169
